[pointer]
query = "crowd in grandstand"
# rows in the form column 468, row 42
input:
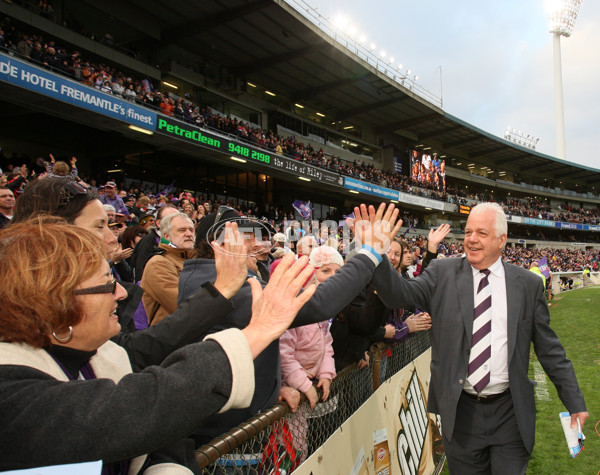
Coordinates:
column 107, row 79
column 165, row 268
column 136, row 209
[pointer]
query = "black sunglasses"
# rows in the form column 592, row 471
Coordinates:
column 70, row 191
column 98, row 289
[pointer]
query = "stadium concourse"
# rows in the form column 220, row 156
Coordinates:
column 261, row 107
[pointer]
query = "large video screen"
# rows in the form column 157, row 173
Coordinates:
column 427, row 170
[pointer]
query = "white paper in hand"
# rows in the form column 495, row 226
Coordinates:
column 574, row 437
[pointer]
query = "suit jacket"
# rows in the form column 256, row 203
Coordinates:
column 445, row 290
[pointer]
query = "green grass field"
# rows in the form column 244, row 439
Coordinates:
column 575, row 317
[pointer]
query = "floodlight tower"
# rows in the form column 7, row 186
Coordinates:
column 561, row 18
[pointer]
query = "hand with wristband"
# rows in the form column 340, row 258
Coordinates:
column 375, row 229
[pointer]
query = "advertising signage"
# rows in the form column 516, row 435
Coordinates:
column 556, row 224
column 539, row 222
column 464, row 209
column 371, row 189
column 570, row 226
column 44, row 82
column 49, row 84
column 197, row 136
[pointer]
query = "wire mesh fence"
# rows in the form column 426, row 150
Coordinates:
column 277, row 441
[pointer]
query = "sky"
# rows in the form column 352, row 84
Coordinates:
column 496, row 60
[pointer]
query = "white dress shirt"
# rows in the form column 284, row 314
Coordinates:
column 499, row 358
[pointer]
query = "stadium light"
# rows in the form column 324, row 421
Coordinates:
column 521, row 138
column 561, row 20
column 562, row 15
column 141, row 130
column 340, row 22
column 342, row 30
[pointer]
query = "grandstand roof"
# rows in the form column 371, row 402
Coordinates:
column 269, row 43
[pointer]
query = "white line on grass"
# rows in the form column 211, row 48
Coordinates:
column 541, row 389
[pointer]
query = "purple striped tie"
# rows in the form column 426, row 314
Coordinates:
column 481, row 344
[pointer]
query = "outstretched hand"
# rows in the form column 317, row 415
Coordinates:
column 418, row 322
column 375, row 228
column 436, row 236
column 121, row 253
column 275, row 306
column 230, row 261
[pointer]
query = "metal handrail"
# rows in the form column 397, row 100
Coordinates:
column 209, row 453
column 363, row 53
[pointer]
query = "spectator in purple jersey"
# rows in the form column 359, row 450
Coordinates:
column 110, row 198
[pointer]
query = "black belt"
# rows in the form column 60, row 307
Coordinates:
column 488, row 398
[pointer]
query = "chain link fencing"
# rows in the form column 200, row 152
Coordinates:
column 277, row 441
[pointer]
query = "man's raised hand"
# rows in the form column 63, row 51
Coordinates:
column 375, row 228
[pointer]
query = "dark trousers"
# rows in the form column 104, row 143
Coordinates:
column 486, row 439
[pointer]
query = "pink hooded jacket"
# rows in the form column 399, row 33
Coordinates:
column 306, row 353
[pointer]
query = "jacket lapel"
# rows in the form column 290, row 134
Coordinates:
column 464, row 288
column 514, row 297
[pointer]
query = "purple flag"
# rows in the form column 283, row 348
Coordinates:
column 165, row 191
column 304, row 209
column 148, row 86
column 543, row 266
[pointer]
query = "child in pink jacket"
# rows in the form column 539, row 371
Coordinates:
column 307, row 355
column 307, row 352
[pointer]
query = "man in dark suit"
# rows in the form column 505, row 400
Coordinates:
column 479, row 382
